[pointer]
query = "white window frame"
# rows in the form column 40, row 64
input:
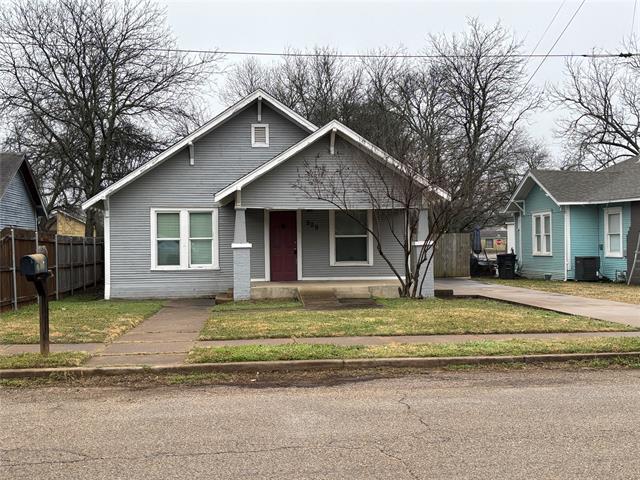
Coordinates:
column 332, row 242
column 185, row 243
column 543, row 234
column 607, row 242
column 253, row 135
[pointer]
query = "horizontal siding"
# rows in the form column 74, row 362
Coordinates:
column 584, row 234
column 16, row 206
column 220, row 158
column 255, row 236
column 315, row 249
column 278, row 189
column 609, row 265
column 538, row 266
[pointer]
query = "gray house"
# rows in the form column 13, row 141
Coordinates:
column 20, row 200
column 220, row 210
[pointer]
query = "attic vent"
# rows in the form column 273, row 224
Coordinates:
column 260, row 135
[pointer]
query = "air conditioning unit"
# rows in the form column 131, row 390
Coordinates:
column 587, row 269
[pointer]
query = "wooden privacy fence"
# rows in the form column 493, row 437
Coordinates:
column 451, row 257
column 76, row 263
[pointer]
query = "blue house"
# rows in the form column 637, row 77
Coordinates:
column 564, row 215
column 20, row 200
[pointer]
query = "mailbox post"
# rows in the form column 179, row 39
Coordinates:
column 35, row 268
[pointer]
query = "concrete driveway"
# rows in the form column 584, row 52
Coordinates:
column 608, row 310
column 539, row 424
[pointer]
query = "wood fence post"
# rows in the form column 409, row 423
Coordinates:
column 13, row 269
column 71, row 262
column 57, row 268
column 84, row 265
column 95, row 268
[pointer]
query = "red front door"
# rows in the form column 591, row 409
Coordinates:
column 283, row 238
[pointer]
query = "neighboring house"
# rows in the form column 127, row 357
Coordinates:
column 494, row 239
column 20, row 200
column 64, row 222
column 561, row 215
column 219, row 209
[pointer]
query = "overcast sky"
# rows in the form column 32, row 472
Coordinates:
column 358, row 26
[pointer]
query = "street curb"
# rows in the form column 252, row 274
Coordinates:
column 301, row 365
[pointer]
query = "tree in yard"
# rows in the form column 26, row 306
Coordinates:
column 88, row 85
column 602, row 96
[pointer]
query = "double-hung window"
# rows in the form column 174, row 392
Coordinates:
column 350, row 242
column 184, row 239
column 613, row 232
column 542, row 235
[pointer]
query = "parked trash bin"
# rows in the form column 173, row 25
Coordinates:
column 507, row 266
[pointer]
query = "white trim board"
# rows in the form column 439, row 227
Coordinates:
column 203, row 130
column 107, row 250
column 348, row 134
column 607, row 246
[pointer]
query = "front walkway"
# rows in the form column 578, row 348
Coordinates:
column 598, row 309
column 163, row 339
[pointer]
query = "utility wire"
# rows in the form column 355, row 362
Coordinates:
column 552, row 47
column 370, row 55
column 549, row 26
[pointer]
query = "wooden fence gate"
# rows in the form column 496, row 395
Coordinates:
column 76, row 263
column 451, row 256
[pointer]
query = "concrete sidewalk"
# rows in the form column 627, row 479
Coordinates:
column 165, row 338
column 608, row 310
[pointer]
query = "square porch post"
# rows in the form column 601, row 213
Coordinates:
column 426, row 272
column 241, row 258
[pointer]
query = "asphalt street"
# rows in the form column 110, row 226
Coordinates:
column 534, row 424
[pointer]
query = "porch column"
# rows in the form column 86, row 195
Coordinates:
column 426, row 272
column 241, row 258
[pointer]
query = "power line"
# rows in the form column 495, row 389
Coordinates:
column 552, row 47
column 549, row 26
column 633, row 18
column 371, row 55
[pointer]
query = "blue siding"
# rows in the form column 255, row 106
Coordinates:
column 584, row 234
column 537, row 266
column 609, row 265
column 16, row 205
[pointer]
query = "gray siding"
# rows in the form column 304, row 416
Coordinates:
column 16, row 205
column 255, row 236
column 315, row 250
column 220, row 158
column 277, row 188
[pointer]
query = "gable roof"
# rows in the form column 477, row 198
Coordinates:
column 618, row 183
column 203, row 130
column 349, row 135
column 10, row 165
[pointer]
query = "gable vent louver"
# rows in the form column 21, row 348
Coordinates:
column 260, row 135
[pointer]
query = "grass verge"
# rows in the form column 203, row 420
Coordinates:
column 617, row 292
column 247, row 353
column 77, row 319
column 399, row 317
column 35, row 360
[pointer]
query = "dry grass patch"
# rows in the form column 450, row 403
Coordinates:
column 301, row 351
column 35, row 360
column 399, row 317
column 79, row 319
column 617, row 292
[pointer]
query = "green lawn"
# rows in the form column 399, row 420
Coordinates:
column 245, row 305
column 618, row 292
column 398, row 317
column 77, row 319
column 35, row 360
column 247, row 353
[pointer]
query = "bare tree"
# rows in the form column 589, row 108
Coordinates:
column 89, row 85
column 602, row 96
column 486, row 84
